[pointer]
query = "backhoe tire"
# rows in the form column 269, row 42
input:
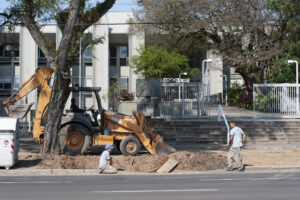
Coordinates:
column 130, row 146
column 74, row 139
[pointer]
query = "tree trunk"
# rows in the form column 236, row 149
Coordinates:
column 58, row 99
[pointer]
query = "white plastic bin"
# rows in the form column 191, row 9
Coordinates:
column 9, row 141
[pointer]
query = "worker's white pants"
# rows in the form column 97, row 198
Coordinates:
column 235, row 152
column 108, row 170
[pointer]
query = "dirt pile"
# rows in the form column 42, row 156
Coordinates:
column 190, row 161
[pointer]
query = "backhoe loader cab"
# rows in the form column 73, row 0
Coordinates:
column 78, row 127
column 94, row 111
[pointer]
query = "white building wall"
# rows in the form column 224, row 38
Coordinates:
column 134, row 43
column 28, row 60
column 116, row 18
column 101, row 61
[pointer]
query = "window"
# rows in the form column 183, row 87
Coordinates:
column 123, row 55
column 112, row 81
column 41, row 54
column 118, row 56
column 113, row 56
column 123, row 62
column 1, row 51
column 88, row 82
column 113, row 52
column 113, row 62
column 124, row 83
column 7, row 85
column 88, row 53
column 16, row 83
column 6, row 51
column 123, row 52
column 17, row 53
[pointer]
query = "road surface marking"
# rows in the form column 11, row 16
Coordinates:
column 149, row 191
column 32, row 182
column 248, row 179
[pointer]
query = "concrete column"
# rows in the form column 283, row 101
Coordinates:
column 28, row 60
column 215, row 72
column 134, row 43
column 101, row 61
column 58, row 37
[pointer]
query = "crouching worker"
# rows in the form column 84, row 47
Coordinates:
column 105, row 161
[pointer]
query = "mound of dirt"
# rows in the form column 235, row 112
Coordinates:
column 189, row 161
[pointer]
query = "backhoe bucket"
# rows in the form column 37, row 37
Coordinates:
column 163, row 148
column 19, row 111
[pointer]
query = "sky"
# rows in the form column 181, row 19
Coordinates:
column 120, row 5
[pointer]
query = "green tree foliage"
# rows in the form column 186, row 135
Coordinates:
column 242, row 32
column 157, row 62
column 287, row 14
column 250, row 35
column 281, row 71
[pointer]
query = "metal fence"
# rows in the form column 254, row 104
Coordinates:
column 184, row 100
column 276, row 100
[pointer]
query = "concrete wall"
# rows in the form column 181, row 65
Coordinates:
column 126, row 107
column 214, row 75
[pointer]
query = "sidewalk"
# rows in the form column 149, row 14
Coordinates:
column 95, row 172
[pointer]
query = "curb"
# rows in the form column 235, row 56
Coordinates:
column 272, row 167
column 89, row 172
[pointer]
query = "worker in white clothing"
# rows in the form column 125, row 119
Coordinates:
column 237, row 138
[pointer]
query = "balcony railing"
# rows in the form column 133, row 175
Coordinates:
column 8, row 59
column 9, row 82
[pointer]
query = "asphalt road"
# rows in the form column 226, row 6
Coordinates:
column 239, row 186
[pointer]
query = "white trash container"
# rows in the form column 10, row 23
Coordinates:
column 9, row 141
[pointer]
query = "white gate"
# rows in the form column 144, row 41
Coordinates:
column 184, row 100
column 277, row 100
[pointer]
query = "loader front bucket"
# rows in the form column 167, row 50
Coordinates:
column 18, row 111
column 163, row 148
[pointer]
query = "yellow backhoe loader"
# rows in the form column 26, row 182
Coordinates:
column 79, row 130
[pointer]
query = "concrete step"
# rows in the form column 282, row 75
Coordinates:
column 191, row 131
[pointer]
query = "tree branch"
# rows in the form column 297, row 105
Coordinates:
column 92, row 15
column 45, row 44
column 68, row 32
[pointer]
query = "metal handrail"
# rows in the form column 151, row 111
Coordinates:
column 220, row 111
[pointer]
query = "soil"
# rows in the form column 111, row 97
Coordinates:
column 189, row 161
column 194, row 159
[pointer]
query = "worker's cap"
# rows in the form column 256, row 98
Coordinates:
column 108, row 146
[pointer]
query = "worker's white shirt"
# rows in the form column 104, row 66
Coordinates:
column 103, row 159
column 236, row 132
